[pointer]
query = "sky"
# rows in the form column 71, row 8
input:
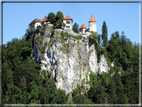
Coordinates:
column 118, row 17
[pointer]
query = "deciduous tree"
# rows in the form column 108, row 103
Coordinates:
column 51, row 17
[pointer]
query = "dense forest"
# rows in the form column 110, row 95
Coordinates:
column 23, row 84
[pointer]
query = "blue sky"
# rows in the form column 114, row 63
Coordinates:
column 118, row 17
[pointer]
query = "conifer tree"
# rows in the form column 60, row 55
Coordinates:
column 75, row 28
column 104, row 34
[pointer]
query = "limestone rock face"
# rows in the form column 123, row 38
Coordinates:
column 70, row 62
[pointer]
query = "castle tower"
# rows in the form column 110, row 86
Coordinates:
column 82, row 28
column 92, row 24
column 68, row 21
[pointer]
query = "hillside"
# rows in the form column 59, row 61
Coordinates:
column 59, row 66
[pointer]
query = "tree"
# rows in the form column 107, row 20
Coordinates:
column 123, row 40
column 121, row 96
column 59, row 22
column 117, row 34
column 51, row 17
column 104, row 34
column 62, row 98
column 59, row 16
column 63, row 24
column 112, row 92
column 75, row 28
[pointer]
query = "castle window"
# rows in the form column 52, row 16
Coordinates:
column 67, row 22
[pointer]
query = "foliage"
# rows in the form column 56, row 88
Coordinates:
column 75, row 28
column 55, row 63
column 51, row 17
column 63, row 25
column 38, row 27
column 42, row 49
column 22, row 82
column 59, row 22
column 66, row 35
column 93, row 40
column 44, row 27
column 30, row 32
column 79, row 98
column 59, row 16
column 104, row 34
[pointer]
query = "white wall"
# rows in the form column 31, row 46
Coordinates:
column 64, row 21
column 93, row 26
column 82, row 30
column 37, row 24
column 88, row 33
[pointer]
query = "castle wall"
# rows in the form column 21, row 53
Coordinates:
column 88, row 33
column 37, row 24
column 68, row 26
column 82, row 30
column 92, row 26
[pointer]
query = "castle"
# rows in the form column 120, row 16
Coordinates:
column 37, row 22
column 68, row 25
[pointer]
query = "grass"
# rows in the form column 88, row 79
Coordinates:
column 68, row 35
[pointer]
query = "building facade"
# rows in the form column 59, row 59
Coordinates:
column 37, row 22
column 92, row 27
column 92, row 24
column 68, row 22
column 82, row 29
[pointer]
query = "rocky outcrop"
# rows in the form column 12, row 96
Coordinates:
column 70, row 62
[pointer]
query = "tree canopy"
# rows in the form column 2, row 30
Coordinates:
column 51, row 17
column 104, row 34
column 75, row 28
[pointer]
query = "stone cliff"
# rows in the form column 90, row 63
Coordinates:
column 68, row 60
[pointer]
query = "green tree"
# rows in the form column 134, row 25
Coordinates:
column 112, row 92
column 51, row 17
column 104, row 34
column 117, row 34
column 59, row 16
column 62, row 98
column 60, row 22
column 75, row 28
column 121, row 96
column 123, row 40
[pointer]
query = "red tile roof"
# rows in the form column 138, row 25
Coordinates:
column 67, row 17
column 39, row 20
column 83, row 26
column 92, row 19
column 45, row 18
